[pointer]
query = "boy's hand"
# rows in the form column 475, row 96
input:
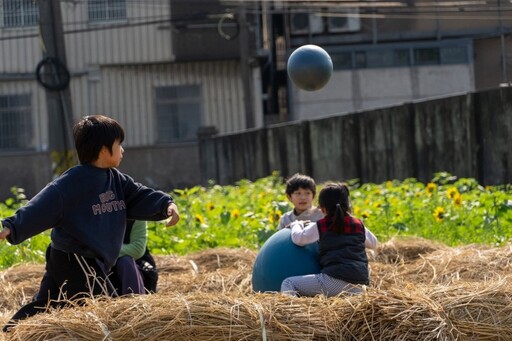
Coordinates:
column 5, row 233
column 174, row 216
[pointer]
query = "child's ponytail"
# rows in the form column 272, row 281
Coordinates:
column 334, row 199
column 339, row 214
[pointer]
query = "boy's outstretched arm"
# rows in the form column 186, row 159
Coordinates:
column 173, row 214
column 5, row 232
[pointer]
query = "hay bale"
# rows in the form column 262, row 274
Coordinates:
column 18, row 284
column 427, row 293
column 467, row 263
column 216, row 270
column 405, row 249
column 414, row 313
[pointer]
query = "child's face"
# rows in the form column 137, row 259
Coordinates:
column 109, row 160
column 302, row 199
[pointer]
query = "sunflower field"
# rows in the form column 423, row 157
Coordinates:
column 451, row 210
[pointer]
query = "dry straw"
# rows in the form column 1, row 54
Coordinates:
column 435, row 293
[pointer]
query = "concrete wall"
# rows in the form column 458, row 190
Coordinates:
column 31, row 171
column 164, row 168
column 467, row 135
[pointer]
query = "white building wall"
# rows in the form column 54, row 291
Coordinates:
column 127, row 94
column 16, row 57
column 115, row 72
column 138, row 39
column 362, row 89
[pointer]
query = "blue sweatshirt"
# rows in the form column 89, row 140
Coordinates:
column 87, row 208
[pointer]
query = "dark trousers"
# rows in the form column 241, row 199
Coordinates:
column 64, row 280
column 129, row 277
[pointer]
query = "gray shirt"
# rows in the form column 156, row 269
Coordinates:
column 313, row 214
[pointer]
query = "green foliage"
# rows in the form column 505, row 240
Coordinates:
column 452, row 210
column 31, row 250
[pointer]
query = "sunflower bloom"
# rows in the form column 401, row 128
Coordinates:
column 235, row 213
column 199, row 218
column 457, row 199
column 275, row 216
column 209, row 206
column 431, row 187
column 365, row 215
column 439, row 214
column 452, row 192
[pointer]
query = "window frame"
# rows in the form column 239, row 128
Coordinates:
column 402, row 55
column 20, row 107
column 106, row 7
column 178, row 99
column 28, row 15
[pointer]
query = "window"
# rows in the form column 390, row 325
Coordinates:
column 401, row 57
column 360, row 59
column 386, row 56
column 18, row 13
column 342, row 60
column 178, row 113
column 427, row 56
column 454, row 54
column 106, row 10
column 15, row 122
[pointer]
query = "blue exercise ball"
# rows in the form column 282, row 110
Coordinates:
column 280, row 258
column 310, row 67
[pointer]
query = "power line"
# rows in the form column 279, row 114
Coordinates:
column 313, row 7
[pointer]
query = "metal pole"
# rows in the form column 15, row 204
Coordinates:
column 58, row 102
column 502, row 46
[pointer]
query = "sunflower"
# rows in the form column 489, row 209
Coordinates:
column 365, row 215
column 199, row 218
column 452, row 192
column 431, row 187
column 275, row 216
column 457, row 199
column 235, row 213
column 439, row 214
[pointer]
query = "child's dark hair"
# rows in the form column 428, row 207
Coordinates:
column 94, row 132
column 297, row 181
column 334, row 199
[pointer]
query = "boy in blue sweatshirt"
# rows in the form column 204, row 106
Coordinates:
column 87, row 208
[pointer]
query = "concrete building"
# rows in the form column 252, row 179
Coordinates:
column 386, row 53
column 165, row 70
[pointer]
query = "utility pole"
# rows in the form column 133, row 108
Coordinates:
column 54, row 76
column 246, row 69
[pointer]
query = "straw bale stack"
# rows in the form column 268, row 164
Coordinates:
column 440, row 293
column 405, row 249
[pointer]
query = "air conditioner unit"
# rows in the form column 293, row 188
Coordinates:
column 306, row 23
column 343, row 20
